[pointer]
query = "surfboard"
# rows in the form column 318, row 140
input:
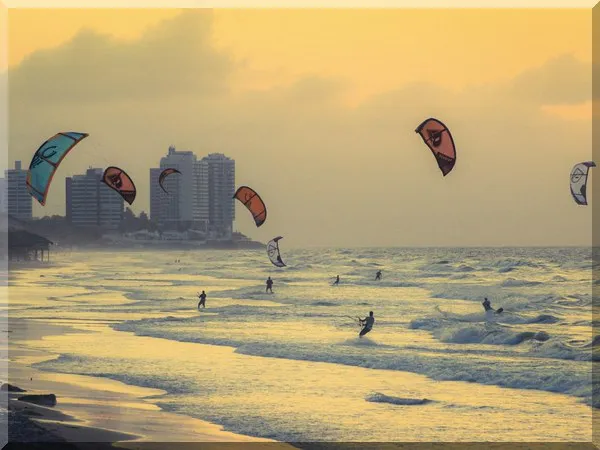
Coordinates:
column 499, row 310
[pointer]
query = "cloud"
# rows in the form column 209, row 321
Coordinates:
column 172, row 58
column 330, row 174
column 564, row 80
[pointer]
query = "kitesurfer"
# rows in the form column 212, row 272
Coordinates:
column 202, row 298
column 378, row 275
column 487, row 305
column 337, row 280
column 368, row 323
column 269, row 285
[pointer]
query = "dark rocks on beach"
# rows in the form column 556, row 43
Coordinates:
column 10, row 388
column 21, row 430
column 42, row 399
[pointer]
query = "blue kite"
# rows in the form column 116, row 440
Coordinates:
column 46, row 160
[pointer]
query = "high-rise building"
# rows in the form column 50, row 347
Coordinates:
column 155, row 196
column 177, row 204
column 221, row 187
column 91, row 202
column 3, row 196
column 199, row 198
column 19, row 201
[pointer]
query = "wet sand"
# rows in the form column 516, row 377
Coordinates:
column 91, row 409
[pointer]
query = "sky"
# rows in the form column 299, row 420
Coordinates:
column 318, row 108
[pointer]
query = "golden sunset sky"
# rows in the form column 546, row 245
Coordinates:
column 318, row 107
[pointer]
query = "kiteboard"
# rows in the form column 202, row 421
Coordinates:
column 499, row 310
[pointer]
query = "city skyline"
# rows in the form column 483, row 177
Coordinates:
column 201, row 194
column 322, row 125
column 200, row 198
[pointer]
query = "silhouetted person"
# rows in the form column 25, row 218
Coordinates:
column 269, row 285
column 378, row 275
column 368, row 323
column 487, row 305
column 337, row 280
column 202, row 298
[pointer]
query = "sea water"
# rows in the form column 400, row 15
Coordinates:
column 290, row 366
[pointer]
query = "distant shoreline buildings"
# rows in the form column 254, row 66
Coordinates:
column 199, row 199
column 89, row 202
column 16, row 200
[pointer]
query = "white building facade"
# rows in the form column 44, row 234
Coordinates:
column 221, row 187
column 177, row 204
column 200, row 198
column 19, row 202
column 90, row 202
column 3, row 196
column 155, row 196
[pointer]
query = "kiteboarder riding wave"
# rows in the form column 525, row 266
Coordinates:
column 368, row 322
column 488, row 307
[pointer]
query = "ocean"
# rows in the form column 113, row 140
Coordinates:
column 290, row 366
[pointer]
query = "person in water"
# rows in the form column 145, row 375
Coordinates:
column 269, row 285
column 202, row 298
column 368, row 323
column 378, row 275
column 487, row 305
column 337, row 280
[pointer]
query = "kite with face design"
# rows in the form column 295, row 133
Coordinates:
column 274, row 253
column 579, row 178
column 118, row 180
column 439, row 140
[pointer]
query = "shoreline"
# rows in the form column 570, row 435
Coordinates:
column 90, row 409
column 22, row 265
column 157, row 246
column 218, row 352
column 169, row 362
column 39, row 424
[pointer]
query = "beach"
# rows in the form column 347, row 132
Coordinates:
column 93, row 409
column 117, row 338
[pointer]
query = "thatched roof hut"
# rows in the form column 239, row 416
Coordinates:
column 25, row 245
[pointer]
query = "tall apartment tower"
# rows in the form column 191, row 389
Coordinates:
column 221, row 187
column 155, row 196
column 3, row 196
column 19, row 201
column 89, row 202
column 177, row 206
column 201, row 199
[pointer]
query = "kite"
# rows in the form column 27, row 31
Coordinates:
column 46, row 160
column 438, row 138
column 579, row 177
column 165, row 173
column 274, row 253
column 118, row 180
column 253, row 202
